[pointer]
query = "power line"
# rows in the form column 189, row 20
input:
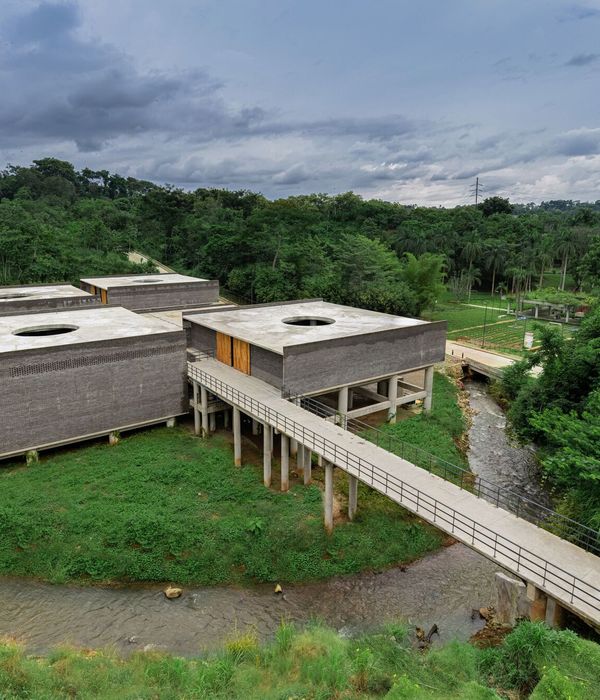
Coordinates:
column 476, row 190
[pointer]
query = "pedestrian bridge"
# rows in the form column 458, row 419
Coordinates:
column 562, row 571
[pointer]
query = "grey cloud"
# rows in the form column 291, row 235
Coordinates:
column 579, row 142
column 582, row 59
column 292, row 176
column 579, row 12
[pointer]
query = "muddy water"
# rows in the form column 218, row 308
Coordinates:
column 493, row 455
column 441, row 588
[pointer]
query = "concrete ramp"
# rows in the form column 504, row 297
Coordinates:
column 562, row 570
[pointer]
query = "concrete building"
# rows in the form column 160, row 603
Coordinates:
column 37, row 297
column 153, row 292
column 357, row 360
column 71, row 375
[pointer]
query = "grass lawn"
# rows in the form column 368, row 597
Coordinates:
column 532, row 661
column 163, row 505
column 437, row 433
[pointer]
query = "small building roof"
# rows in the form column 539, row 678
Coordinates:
column 132, row 280
column 78, row 326
column 269, row 326
column 43, row 291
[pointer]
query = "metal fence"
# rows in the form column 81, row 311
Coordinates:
column 567, row 588
column 517, row 503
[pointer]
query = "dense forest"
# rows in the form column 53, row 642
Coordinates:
column 57, row 223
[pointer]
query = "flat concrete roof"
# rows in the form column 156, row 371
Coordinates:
column 91, row 325
column 44, row 291
column 175, row 316
column 131, row 280
column 264, row 325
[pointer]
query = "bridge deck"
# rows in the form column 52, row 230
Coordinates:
column 564, row 571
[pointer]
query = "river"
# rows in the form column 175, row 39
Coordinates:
column 441, row 588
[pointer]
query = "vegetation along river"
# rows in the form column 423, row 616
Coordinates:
column 441, row 588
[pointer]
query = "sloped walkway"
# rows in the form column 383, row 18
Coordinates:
column 561, row 569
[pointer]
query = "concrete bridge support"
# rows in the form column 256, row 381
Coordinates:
column 428, row 401
column 307, row 466
column 352, row 496
column 393, row 398
column 285, row 462
column 255, row 427
column 196, row 401
column 237, row 436
column 342, row 406
column 537, row 603
column 204, row 410
column 328, row 498
column 267, row 451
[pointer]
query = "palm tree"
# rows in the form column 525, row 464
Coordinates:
column 544, row 257
column 496, row 253
column 565, row 247
column 472, row 248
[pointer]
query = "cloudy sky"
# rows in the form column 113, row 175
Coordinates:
column 407, row 100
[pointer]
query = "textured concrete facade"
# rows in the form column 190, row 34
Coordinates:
column 333, row 363
column 36, row 297
column 354, row 347
column 154, row 292
column 56, row 395
column 166, row 296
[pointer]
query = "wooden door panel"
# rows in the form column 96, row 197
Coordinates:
column 241, row 356
column 224, row 348
column 103, row 296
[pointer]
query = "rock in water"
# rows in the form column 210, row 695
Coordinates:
column 172, row 592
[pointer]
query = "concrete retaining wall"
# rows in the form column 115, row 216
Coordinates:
column 69, row 392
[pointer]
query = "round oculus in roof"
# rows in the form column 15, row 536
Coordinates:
column 305, row 321
column 36, row 331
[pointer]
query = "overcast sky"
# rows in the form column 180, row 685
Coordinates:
column 403, row 100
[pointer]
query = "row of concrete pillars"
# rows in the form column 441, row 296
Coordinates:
column 289, row 449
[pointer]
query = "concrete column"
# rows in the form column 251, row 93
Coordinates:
column 428, row 403
column 537, row 603
column 299, row 456
column 255, row 427
column 212, row 421
column 350, row 399
column 328, row 497
column 382, row 387
column 352, row 496
column 204, row 410
column 555, row 614
column 113, row 438
column 285, row 462
column 237, row 436
column 307, row 465
column 226, row 418
column 171, row 422
column 393, row 398
column 342, row 406
column 267, row 442
column 293, row 447
column 197, row 424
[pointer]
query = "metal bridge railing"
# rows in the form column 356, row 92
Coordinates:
column 566, row 587
column 520, row 505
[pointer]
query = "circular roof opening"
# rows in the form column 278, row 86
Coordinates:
column 308, row 321
column 35, row 331
column 15, row 295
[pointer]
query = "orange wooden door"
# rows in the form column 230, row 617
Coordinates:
column 224, row 354
column 103, row 296
column 241, row 356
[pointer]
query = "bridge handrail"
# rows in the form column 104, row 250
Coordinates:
column 502, row 497
column 540, row 571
